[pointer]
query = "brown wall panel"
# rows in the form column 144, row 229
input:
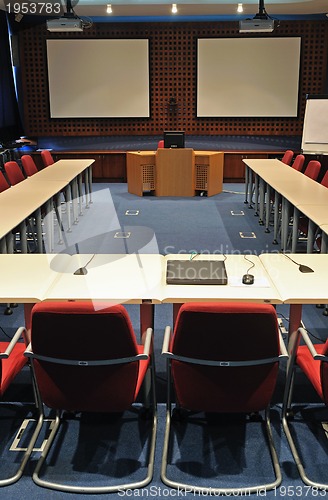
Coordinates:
column 172, row 74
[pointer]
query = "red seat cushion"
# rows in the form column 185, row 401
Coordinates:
column 11, row 366
column 315, row 370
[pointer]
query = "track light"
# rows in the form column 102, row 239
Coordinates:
column 240, row 8
column 174, row 9
column 109, row 9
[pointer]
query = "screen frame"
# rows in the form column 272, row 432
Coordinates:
column 174, row 139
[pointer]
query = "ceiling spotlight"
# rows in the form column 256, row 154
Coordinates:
column 240, row 8
column 109, row 9
column 174, row 8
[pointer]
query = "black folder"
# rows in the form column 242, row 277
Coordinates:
column 196, row 272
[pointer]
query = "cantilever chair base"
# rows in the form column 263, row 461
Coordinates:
column 93, row 489
column 245, row 490
column 287, row 411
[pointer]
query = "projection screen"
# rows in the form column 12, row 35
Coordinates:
column 248, row 77
column 98, row 78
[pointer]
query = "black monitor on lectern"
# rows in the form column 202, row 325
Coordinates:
column 174, row 139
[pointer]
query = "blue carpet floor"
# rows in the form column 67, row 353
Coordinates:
column 219, row 224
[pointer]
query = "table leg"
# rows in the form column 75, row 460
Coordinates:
column 276, row 218
column 262, row 201
column 147, row 317
column 296, row 218
column 247, row 169
column 310, row 237
column 268, row 209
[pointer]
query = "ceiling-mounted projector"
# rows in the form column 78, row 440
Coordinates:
column 65, row 24
column 261, row 23
column 256, row 26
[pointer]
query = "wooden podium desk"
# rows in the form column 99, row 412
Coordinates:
column 175, row 172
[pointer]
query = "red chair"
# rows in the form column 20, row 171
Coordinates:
column 324, row 180
column 47, row 158
column 160, row 144
column 222, row 358
column 3, row 183
column 99, row 375
column 12, row 361
column 29, row 165
column 311, row 359
column 288, row 157
column 313, row 169
column 14, row 172
column 298, row 162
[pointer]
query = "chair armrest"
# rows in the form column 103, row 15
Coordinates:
column 19, row 332
column 28, row 351
column 310, row 346
column 147, row 341
column 284, row 353
column 166, row 341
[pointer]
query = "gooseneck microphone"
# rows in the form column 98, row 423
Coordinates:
column 302, row 267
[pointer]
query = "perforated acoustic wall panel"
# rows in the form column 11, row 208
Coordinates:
column 173, row 72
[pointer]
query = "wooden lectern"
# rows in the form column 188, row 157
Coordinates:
column 175, row 172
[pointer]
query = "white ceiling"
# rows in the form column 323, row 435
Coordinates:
column 197, row 9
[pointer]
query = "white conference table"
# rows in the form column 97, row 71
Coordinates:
column 295, row 188
column 27, row 197
column 141, row 279
column 314, row 212
column 19, row 202
column 297, row 288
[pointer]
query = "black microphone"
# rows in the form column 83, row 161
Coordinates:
column 302, row 267
column 82, row 271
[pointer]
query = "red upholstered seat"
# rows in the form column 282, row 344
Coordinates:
column 298, row 162
column 160, row 144
column 313, row 169
column 219, row 389
column 47, row 158
column 3, row 183
column 316, row 372
column 13, row 172
column 29, row 165
column 12, row 361
column 288, row 157
column 223, row 358
column 312, row 359
column 86, row 359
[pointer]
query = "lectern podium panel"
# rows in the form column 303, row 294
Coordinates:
column 175, row 172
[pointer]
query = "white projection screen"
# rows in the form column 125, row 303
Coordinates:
column 98, row 78
column 248, row 77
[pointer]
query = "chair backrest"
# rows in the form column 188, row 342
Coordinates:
column 160, row 144
column 313, row 169
column 298, row 162
column 13, row 172
column 47, row 158
column 3, row 183
column 324, row 180
column 78, row 331
column 29, row 165
column 225, row 332
column 288, row 156
column 324, row 374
